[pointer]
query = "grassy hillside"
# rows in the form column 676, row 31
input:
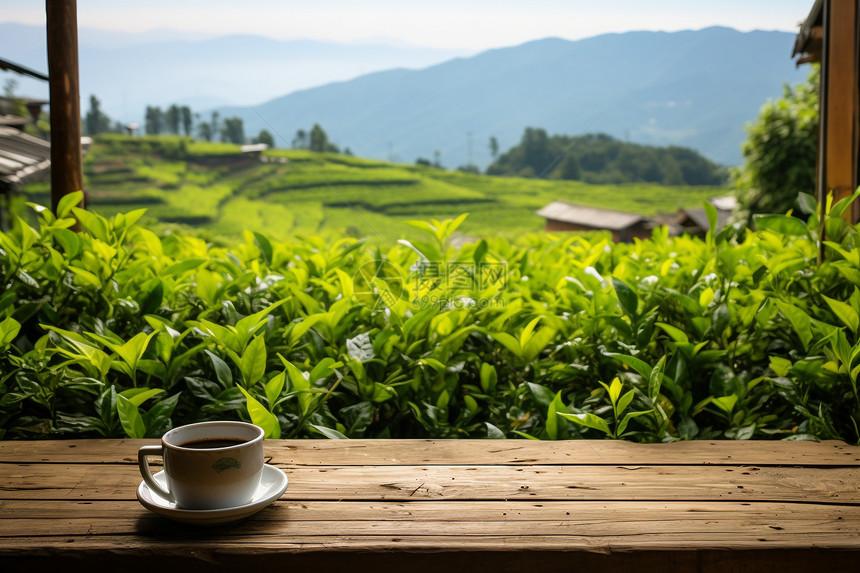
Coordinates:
column 287, row 193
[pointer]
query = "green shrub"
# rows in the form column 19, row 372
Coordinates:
column 119, row 332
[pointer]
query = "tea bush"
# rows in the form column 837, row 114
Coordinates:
column 342, row 195
column 116, row 331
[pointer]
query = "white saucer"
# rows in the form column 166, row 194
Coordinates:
column 273, row 484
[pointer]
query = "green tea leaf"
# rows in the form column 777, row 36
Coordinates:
column 640, row 366
column 300, row 384
column 133, row 349
column 725, row 403
column 655, row 378
column 153, row 298
column 552, row 426
column 265, row 247
column 489, row 379
column 138, row 396
column 95, row 224
column 493, row 432
column 480, row 252
column 840, row 206
column 524, row 435
column 807, row 203
column 674, row 332
column 329, row 433
column 780, row 365
column 800, row 321
column 222, row 370
column 251, row 324
column 543, row 395
column 324, row 369
column 298, row 329
column 261, row 417
column 471, row 405
column 850, row 255
column 624, row 401
column 588, row 420
column 782, row 224
column 843, row 312
column 274, row 387
column 70, row 242
column 626, row 297
column 182, row 267
column 711, row 212
column 85, row 277
column 157, row 418
column 528, row 331
column 66, row 202
column 253, row 364
column 130, row 418
column 622, row 426
column 537, row 343
column 9, row 329
column 720, row 319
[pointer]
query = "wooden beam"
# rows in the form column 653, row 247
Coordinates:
column 62, row 36
column 841, row 100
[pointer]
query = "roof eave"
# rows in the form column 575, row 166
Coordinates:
column 808, row 40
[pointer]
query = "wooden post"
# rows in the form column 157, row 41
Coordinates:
column 840, row 100
column 66, row 167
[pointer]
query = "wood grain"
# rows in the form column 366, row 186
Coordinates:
column 453, row 506
column 841, row 101
column 713, row 483
column 62, row 47
column 291, row 523
column 470, row 452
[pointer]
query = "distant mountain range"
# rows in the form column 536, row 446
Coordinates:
column 127, row 72
column 690, row 88
column 695, row 89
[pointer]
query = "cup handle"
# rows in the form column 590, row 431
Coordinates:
column 142, row 454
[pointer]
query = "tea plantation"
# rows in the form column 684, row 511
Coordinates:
column 122, row 331
column 218, row 191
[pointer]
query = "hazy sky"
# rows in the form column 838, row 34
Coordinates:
column 464, row 24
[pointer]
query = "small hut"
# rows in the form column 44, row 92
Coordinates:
column 564, row 216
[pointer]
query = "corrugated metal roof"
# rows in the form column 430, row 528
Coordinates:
column 21, row 155
column 590, row 216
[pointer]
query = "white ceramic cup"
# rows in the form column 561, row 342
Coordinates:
column 201, row 477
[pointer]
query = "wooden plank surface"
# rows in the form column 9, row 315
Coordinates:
column 769, row 513
column 574, row 524
column 713, row 483
column 470, row 452
column 463, row 506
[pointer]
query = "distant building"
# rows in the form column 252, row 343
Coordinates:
column 564, row 216
column 22, row 157
column 695, row 221
column 255, row 148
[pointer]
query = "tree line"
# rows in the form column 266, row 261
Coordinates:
column 316, row 140
column 600, row 158
column 176, row 120
column 181, row 120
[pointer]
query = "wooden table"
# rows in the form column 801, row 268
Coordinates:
column 440, row 506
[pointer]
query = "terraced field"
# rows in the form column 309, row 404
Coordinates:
column 220, row 191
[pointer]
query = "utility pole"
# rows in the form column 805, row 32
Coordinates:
column 62, row 31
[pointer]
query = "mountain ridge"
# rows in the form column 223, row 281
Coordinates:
column 694, row 88
column 127, row 74
column 690, row 88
